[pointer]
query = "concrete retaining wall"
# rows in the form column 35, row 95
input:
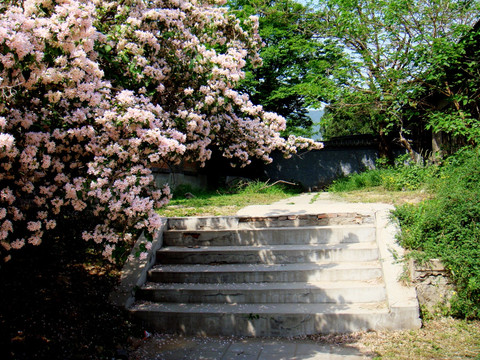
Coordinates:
column 175, row 179
column 313, row 170
column 317, row 169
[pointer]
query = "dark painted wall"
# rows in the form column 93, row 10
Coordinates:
column 313, row 170
column 316, row 169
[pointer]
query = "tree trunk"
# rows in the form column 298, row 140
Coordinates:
column 407, row 146
column 384, row 149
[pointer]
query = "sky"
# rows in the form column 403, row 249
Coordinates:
column 315, row 115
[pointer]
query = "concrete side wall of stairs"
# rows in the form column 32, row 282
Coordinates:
column 282, row 275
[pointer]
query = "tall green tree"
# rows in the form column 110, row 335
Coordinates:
column 450, row 102
column 392, row 48
column 291, row 53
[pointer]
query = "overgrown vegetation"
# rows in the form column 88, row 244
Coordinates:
column 403, row 175
column 188, row 201
column 445, row 226
column 448, row 227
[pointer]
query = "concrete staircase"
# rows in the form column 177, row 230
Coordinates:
column 283, row 275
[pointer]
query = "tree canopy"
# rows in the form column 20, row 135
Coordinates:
column 391, row 49
column 291, row 52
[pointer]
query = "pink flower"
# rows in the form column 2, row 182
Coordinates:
column 6, row 141
column 126, row 97
column 36, row 239
column 17, row 214
column 108, row 250
column 7, row 195
column 21, row 44
column 34, row 225
column 51, row 224
column 18, row 244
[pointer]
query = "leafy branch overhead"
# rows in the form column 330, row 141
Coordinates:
column 292, row 52
column 394, row 53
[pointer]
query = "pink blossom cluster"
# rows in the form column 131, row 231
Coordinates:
column 94, row 92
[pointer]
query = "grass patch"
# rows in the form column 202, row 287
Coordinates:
column 444, row 338
column 188, row 201
column 402, row 176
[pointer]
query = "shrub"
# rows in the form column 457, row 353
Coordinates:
column 448, row 227
column 94, row 93
column 370, row 178
column 254, row 187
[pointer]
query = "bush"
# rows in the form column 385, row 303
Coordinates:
column 447, row 227
column 404, row 175
column 261, row 187
column 241, row 188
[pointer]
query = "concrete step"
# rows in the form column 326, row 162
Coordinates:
column 268, row 254
column 333, row 234
column 259, row 273
column 253, row 222
column 262, row 319
column 340, row 292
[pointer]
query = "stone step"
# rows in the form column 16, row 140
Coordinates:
column 248, row 222
column 259, row 273
column 268, row 254
column 272, row 236
column 252, row 222
column 262, row 319
column 340, row 292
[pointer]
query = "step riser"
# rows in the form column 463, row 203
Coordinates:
column 309, row 296
column 267, row 256
column 289, row 236
column 264, row 276
column 262, row 324
column 236, row 223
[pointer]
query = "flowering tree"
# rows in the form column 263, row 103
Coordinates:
column 94, row 92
